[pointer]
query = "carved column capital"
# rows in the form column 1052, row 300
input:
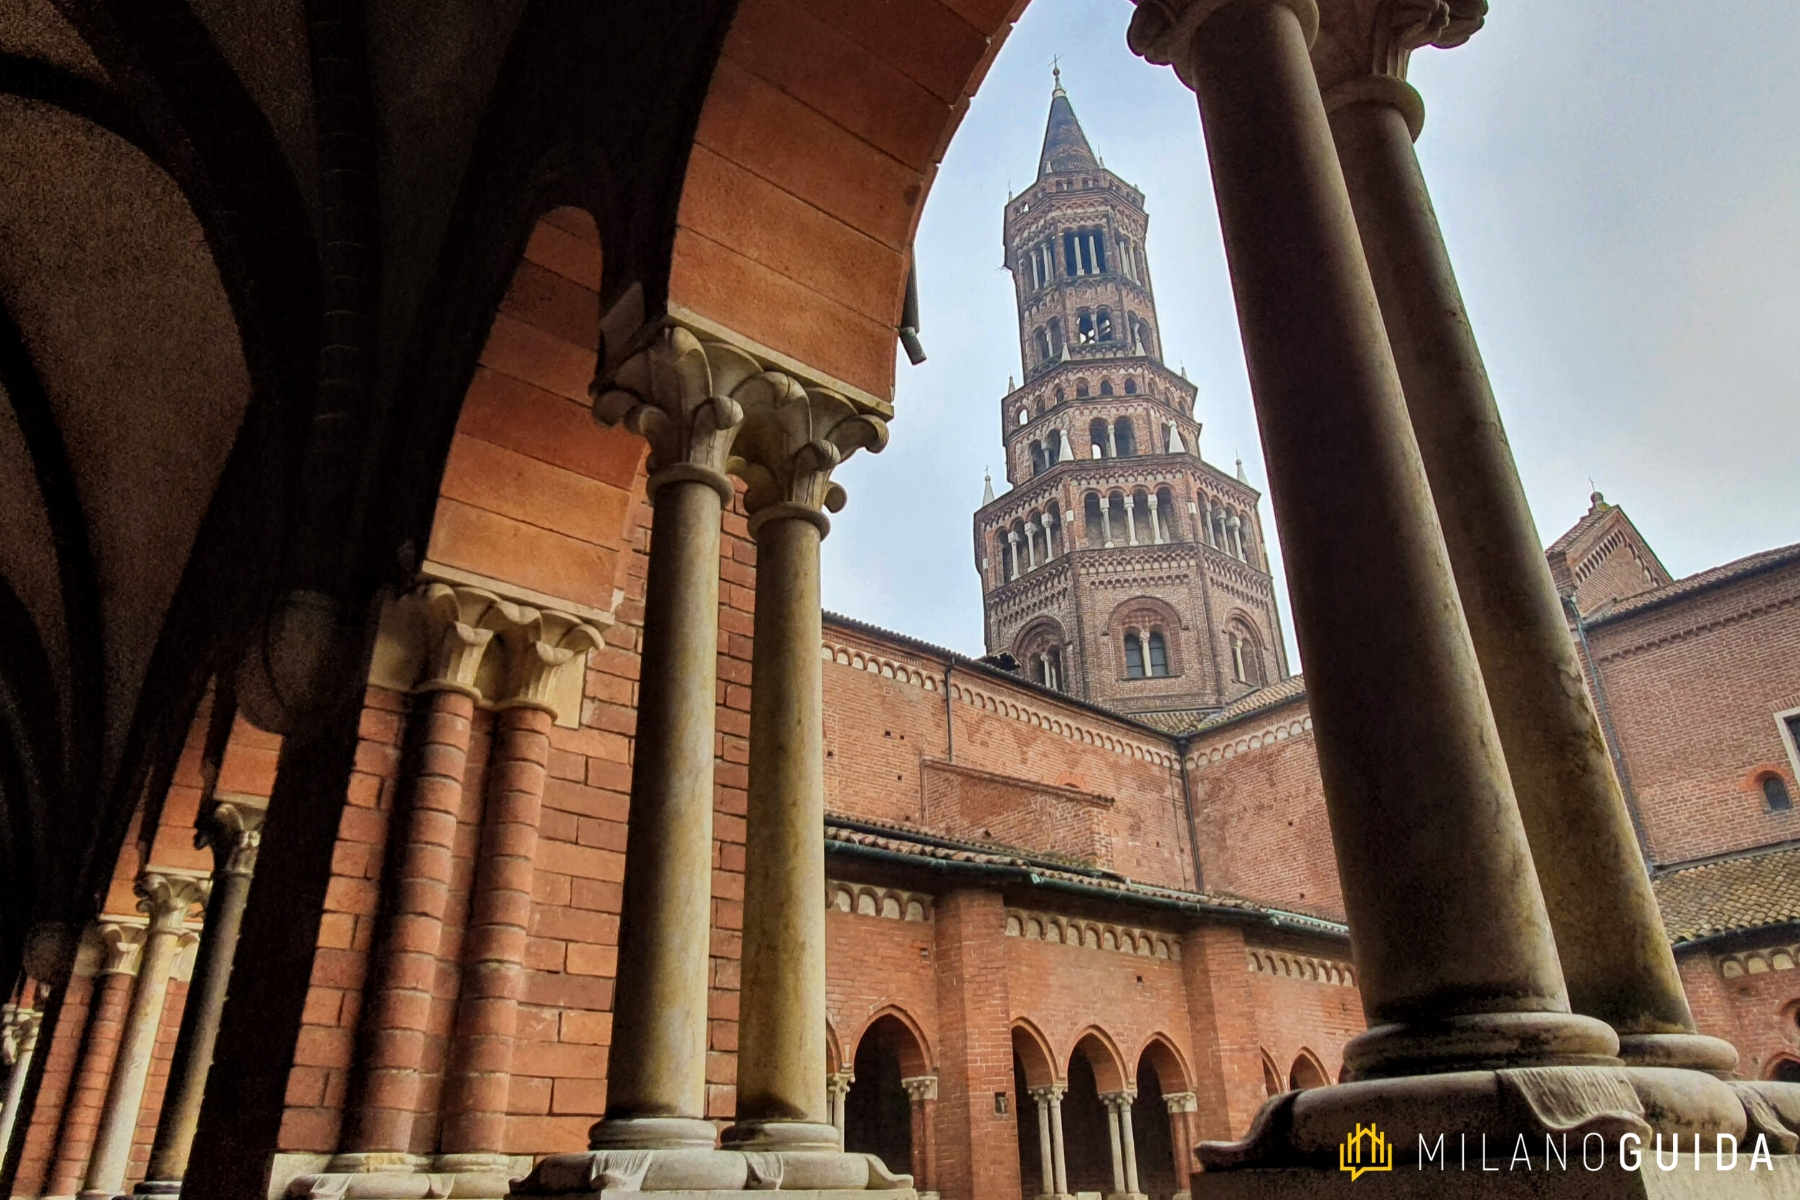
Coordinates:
column 920, row 1088
column 123, row 946
column 1118, row 1100
column 1161, row 31
column 1049, row 1094
column 792, row 439
column 1181, row 1102
column 538, row 643
column 453, row 619
column 18, row 1032
column 233, row 829
column 166, row 899
column 1363, row 48
column 837, row 1084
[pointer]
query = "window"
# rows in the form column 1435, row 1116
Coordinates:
column 1043, row 345
column 1124, row 439
column 1081, row 389
column 1134, row 657
column 1159, row 655
column 1056, row 335
column 1104, row 325
column 1024, row 416
column 1106, row 387
column 1775, row 793
column 1237, row 659
column 1084, row 327
column 1084, row 253
column 1131, row 387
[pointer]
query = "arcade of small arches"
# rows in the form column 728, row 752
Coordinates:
column 1096, row 326
column 1041, row 648
column 1145, row 632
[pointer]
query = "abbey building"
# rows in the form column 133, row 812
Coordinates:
column 1121, row 567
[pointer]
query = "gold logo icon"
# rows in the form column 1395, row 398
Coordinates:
column 1363, row 1150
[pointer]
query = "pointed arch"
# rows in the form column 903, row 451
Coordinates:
column 1171, row 1068
column 1307, row 1072
column 1102, row 1054
column 1271, row 1076
column 1033, row 1051
column 834, row 1049
column 904, row 1034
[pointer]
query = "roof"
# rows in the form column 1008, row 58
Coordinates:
column 1730, row 894
column 857, row 837
column 1596, row 513
column 1716, row 577
column 1065, row 145
column 1261, row 700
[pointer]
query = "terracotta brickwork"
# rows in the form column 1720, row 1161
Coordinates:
column 1758, row 1012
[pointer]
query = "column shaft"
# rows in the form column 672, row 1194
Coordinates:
column 15, row 1080
column 100, row 1048
column 1131, row 520
column 781, row 1032
column 1046, row 1160
column 493, row 978
column 131, row 1069
column 1118, row 1153
column 1615, row 954
column 1129, row 1139
column 1106, row 519
column 1437, row 877
column 234, row 849
column 406, row 959
column 656, row 1068
column 1060, row 1162
column 921, row 1143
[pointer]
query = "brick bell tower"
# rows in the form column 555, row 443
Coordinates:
column 1121, row 567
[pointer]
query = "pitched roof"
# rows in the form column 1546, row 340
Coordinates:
column 1596, row 513
column 1737, row 892
column 1065, row 145
column 1715, row 577
column 1262, row 699
column 853, row 834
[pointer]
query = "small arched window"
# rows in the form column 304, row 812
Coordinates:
column 1159, row 654
column 1084, row 327
column 1131, row 387
column 1024, row 416
column 1104, row 325
column 1059, row 394
column 1043, row 345
column 1038, row 461
column 1124, row 438
column 1106, row 388
column 1081, row 389
column 1056, row 335
column 1134, row 656
column 1775, row 793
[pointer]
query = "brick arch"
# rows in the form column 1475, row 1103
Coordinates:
column 1307, row 1071
column 1102, row 1054
column 1035, row 1055
column 834, row 1049
column 1041, row 632
column 812, row 156
column 1171, row 1069
column 912, row 1047
column 1271, row 1075
column 1144, row 613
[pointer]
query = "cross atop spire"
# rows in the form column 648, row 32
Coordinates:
column 1056, row 73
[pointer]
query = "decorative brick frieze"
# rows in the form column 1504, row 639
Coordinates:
column 1092, row 935
column 866, row 900
column 1282, row 964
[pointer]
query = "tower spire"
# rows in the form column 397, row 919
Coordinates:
column 1065, row 145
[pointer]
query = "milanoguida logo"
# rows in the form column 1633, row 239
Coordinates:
column 1365, row 1149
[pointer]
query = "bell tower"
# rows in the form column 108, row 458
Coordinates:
column 1120, row 567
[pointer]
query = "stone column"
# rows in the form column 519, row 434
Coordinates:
column 837, row 1092
column 789, row 445
column 921, row 1090
column 21, row 1034
column 537, row 645
column 1181, row 1136
column 1111, row 1100
column 1049, row 1113
column 405, row 960
column 1106, row 517
column 1112, row 447
column 1615, row 953
column 1059, row 1162
column 1012, row 545
column 1131, row 518
column 686, row 396
column 1128, row 1137
column 1031, row 545
column 1416, row 788
column 1051, row 525
column 165, row 899
column 123, row 948
column 234, row 831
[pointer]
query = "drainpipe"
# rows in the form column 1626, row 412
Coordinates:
column 1613, row 745
column 949, row 714
column 1187, row 803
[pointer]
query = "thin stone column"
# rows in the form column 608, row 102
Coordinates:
column 1050, row 1159
column 1128, row 1138
column 123, row 947
column 1106, row 517
column 921, row 1092
column 1614, row 950
column 21, row 1032
column 405, row 960
column 789, row 445
column 234, row 831
column 1058, row 1160
column 1051, row 524
column 1156, row 530
column 165, row 899
column 1012, row 543
column 1031, row 545
column 1110, row 1099
column 1181, row 1137
column 679, row 393
column 837, row 1093
column 1046, row 1172
column 538, row 645
column 1131, row 519
column 1416, row 788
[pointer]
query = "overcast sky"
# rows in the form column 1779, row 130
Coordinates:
column 1620, row 190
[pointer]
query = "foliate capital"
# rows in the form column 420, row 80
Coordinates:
column 453, row 619
column 123, row 946
column 793, row 438
column 234, row 831
column 539, row 643
column 920, row 1087
column 838, row 1082
column 1181, row 1102
column 1049, row 1094
column 166, row 899
column 1364, row 46
column 1162, row 31
column 1118, row 1100
column 685, row 395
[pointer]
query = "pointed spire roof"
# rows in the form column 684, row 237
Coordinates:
column 987, row 490
column 1065, row 145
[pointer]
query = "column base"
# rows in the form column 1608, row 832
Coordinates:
column 157, row 1187
column 1307, row 1129
column 385, row 1176
column 1482, row 1042
column 781, row 1135
column 1687, row 1051
column 652, row 1133
column 1611, row 1182
column 694, row 1172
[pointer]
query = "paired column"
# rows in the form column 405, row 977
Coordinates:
column 406, row 959
column 1416, row 787
column 165, row 899
column 1182, row 1106
column 537, row 644
column 1124, row 1154
column 123, row 947
column 837, row 1094
column 686, row 398
column 1614, row 951
column 1055, row 1171
column 21, row 1023
column 921, row 1092
column 234, row 831
column 789, row 445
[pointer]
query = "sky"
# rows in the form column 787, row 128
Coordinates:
column 1621, row 200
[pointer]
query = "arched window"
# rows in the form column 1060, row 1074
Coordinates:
column 1040, row 406
column 1038, row 462
column 1081, row 389
column 1131, row 387
column 1043, row 344
column 1775, row 793
column 1106, row 388
column 1103, row 325
column 1134, row 656
column 1159, row 654
column 1059, row 394
column 1056, row 335
column 1090, row 508
column 1124, row 439
column 1053, row 447
column 1097, row 436
column 1024, row 416
column 1084, row 327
